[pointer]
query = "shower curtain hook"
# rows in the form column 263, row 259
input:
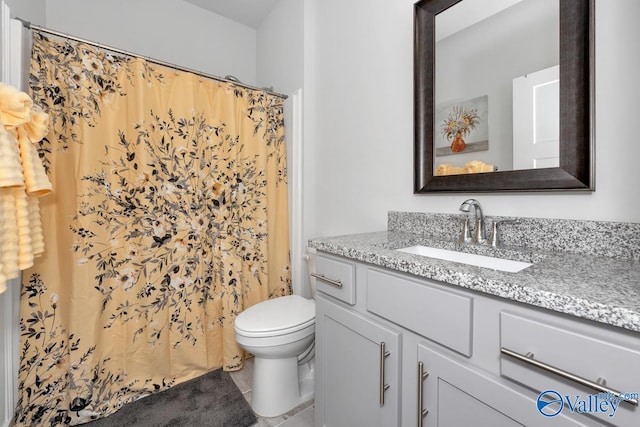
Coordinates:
column 232, row 78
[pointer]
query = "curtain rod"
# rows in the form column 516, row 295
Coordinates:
column 226, row 79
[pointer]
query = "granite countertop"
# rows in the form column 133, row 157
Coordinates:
column 602, row 289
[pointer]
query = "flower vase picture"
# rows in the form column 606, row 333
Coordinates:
column 461, row 127
column 458, row 143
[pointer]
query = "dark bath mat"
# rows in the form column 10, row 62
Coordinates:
column 212, row 400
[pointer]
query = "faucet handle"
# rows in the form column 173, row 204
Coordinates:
column 494, row 239
column 465, row 234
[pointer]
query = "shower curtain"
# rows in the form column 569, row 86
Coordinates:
column 169, row 217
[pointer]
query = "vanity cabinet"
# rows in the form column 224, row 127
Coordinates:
column 449, row 363
column 357, row 360
column 455, row 393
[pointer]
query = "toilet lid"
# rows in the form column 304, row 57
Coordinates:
column 282, row 314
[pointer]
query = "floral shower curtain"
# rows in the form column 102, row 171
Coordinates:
column 168, row 219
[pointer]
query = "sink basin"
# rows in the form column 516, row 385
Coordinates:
column 470, row 259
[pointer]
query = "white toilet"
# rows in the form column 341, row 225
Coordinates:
column 280, row 333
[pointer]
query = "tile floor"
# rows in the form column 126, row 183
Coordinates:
column 300, row 416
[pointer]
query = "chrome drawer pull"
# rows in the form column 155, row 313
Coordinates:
column 336, row 283
column 383, row 387
column 567, row 375
column 422, row 375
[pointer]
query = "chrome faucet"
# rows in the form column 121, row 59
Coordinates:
column 480, row 235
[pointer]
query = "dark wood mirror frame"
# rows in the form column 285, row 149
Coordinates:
column 576, row 171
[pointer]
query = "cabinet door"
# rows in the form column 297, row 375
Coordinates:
column 357, row 369
column 456, row 394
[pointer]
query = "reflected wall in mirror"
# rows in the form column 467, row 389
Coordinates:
column 507, row 87
column 500, row 55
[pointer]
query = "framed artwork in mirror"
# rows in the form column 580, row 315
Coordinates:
column 464, row 70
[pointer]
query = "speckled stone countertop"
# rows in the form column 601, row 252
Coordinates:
column 599, row 288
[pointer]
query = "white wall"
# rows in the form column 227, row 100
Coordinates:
column 29, row 10
column 173, row 31
column 279, row 47
column 483, row 59
column 359, row 121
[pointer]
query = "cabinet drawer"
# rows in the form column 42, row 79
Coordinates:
column 583, row 356
column 442, row 316
column 336, row 277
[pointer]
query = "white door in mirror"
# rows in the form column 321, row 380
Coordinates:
column 536, row 120
column 470, row 259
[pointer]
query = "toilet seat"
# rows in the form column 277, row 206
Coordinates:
column 276, row 317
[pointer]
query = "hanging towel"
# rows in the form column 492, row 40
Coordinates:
column 22, row 180
column 25, row 249
column 15, row 106
column 35, row 178
column 38, row 125
column 10, row 162
column 35, row 222
column 9, row 233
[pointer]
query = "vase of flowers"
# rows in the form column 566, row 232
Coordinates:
column 458, row 124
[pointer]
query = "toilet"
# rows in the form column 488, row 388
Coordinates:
column 280, row 333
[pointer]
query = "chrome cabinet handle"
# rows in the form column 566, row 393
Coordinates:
column 383, row 387
column 336, row 283
column 567, row 375
column 422, row 375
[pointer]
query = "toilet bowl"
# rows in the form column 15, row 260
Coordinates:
column 280, row 333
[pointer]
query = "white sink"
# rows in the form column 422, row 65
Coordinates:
column 465, row 258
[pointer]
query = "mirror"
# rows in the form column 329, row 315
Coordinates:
column 466, row 123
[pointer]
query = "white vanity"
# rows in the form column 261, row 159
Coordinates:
column 406, row 340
